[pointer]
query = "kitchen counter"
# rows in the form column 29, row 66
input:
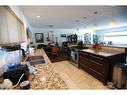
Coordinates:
column 45, row 76
column 100, row 63
column 116, row 46
column 102, row 52
column 112, row 46
column 105, row 45
column 72, row 45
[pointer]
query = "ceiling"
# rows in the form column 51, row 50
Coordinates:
column 68, row 17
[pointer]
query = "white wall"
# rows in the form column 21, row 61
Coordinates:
column 57, row 33
column 120, row 18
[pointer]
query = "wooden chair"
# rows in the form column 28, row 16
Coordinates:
column 55, row 51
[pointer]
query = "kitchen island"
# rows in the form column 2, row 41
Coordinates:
column 45, row 76
column 99, row 63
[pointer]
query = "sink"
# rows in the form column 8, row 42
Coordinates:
column 36, row 60
column 36, row 57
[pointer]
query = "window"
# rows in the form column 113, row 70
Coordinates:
column 116, row 37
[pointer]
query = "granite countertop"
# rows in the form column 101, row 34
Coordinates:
column 102, row 52
column 45, row 76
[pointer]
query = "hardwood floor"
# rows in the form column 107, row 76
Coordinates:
column 77, row 78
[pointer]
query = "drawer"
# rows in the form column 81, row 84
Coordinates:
column 96, row 66
column 92, row 72
column 83, row 60
column 97, row 75
column 84, row 67
column 96, row 58
column 83, row 54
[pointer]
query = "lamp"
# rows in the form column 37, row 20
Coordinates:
column 85, row 29
column 77, row 21
column 49, row 33
column 95, row 23
column 77, row 29
column 94, row 26
column 112, row 22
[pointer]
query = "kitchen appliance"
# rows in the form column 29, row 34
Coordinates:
column 120, row 75
column 15, row 73
column 36, row 60
column 74, row 57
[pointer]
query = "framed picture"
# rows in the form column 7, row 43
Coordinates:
column 39, row 37
column 95, row 39
column 87, row 38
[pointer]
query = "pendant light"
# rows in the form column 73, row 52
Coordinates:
column 85, row 28
column 95, row 23
column 77, row 21
column 112, row 22
column 49, row 33
column 77, row 29
column 94, row 26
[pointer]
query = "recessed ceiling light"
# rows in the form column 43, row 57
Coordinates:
column 77, row 21
column 38, row 16
column 95, row 12
column 84, row 17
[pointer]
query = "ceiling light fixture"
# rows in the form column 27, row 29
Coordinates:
column 77, row 21
column 112, row 22
column 95, row 12
column 84, row 17
column 94, row 26
column 77, row 29
column 85, row 29
column 50, row 26
column 95, row 23
column 38, row 16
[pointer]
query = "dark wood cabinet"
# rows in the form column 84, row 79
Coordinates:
column 99, row 65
